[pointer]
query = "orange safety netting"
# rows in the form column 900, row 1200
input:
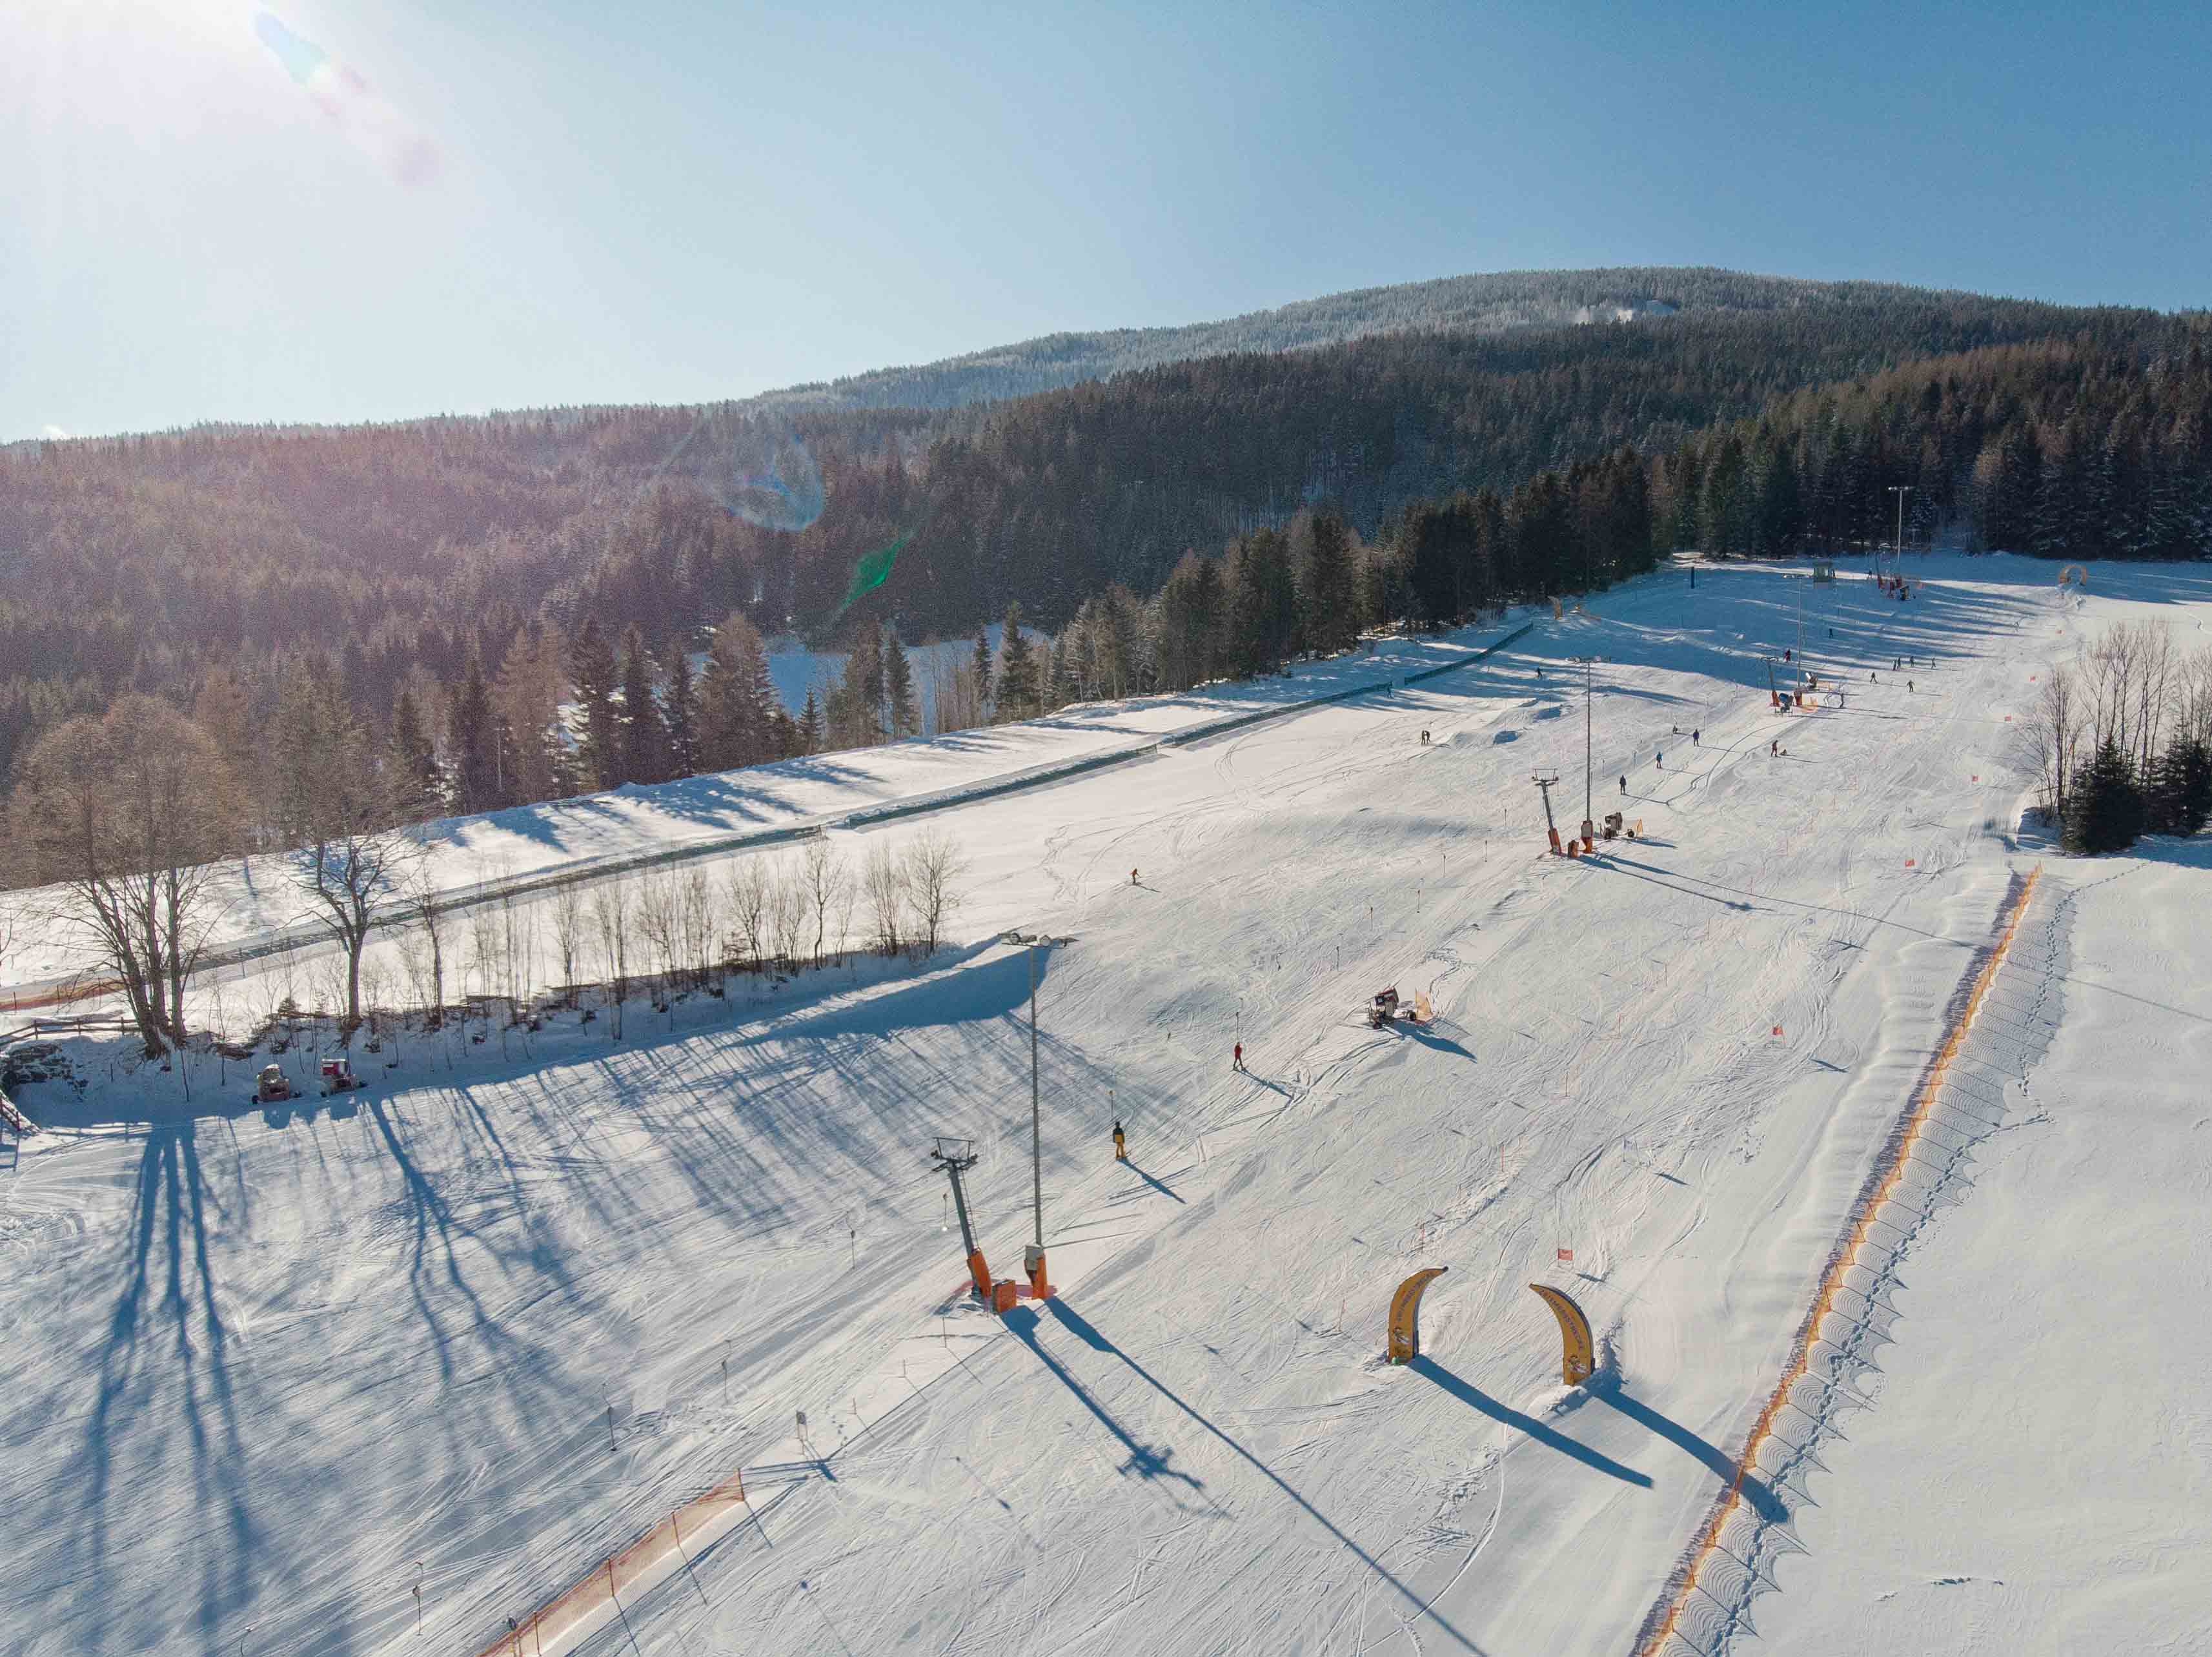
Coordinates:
column 1878, row 1191
column 560, row 1618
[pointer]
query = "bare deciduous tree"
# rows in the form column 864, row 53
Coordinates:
column 659, row 919
column 823, row 873
column 696, row 897
column 338, row 796
column 787, row 914
column 424, row 948
column 934, row 866
column 121, row 815
column 610, row 919
column 2055, row 731
column 883, row 882
column 568, row 928
column 486, row 959
column 745, row 891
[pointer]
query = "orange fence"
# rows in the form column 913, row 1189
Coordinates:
column 1879, row 1186
column 643, row 1563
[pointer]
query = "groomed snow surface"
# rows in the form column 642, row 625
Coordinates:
column 487, row 1320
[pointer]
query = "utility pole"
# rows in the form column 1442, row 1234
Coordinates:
column 1036, row 1131
column 1589, row 666
column 1901, row 490
column 1033, row 1256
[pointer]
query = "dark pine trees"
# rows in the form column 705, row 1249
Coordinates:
column 2104, row 807
column 2178, row 799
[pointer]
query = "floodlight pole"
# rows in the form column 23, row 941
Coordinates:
column 1901, row 490
column 1040, row 1287
column 1036, row 1130
column 1589, row 666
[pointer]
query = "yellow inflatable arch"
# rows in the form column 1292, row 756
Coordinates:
column 1406, row 1315
column 1576, row 1362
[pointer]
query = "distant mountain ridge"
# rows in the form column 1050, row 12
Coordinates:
column 1492, row 302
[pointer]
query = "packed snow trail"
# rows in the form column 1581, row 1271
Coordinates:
column 393, row 1331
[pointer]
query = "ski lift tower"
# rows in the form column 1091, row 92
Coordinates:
column 1545, row 785
column 956, row 1158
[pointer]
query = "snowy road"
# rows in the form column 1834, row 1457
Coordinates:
column 258, row 1372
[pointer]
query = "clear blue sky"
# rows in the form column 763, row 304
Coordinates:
column 203, row 216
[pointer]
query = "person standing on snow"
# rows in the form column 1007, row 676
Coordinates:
column 1121, row 1145
column 1660, row 759
column 1624, row 784
column 1237, row 1062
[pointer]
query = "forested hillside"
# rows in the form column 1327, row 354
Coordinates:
column 1491, row 303
column 447, row 585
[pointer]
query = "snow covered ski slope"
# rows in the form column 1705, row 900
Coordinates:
column 483, row 1324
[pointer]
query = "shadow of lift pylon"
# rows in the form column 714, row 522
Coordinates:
column 1577, row 1350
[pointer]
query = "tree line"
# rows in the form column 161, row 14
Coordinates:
column 146, row 563
column 2121, row 744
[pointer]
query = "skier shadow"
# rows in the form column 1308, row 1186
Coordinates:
column 1756, row 1491
column 1164, row 1189
column 1077, row 1326
column 1467, row 1392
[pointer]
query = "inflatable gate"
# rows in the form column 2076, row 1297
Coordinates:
column 1578, row 1356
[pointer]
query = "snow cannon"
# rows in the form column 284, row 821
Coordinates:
column 271, row 1087
column 1383, row 1008
column 338, row 1077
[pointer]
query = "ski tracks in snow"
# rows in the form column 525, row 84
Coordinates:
column 2011, row 1028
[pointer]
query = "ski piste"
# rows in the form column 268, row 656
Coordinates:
column 277, row 1359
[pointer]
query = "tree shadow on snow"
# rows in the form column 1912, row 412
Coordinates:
column 141, row 1375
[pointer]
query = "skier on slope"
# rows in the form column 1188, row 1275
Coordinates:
column 1133, row 876
column 1121, row 1145
column 1624, row 784
column 1659, row 759
column 1237, row 1062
